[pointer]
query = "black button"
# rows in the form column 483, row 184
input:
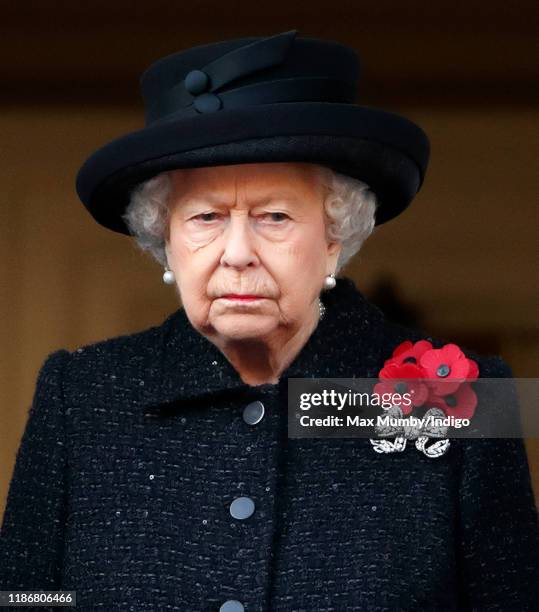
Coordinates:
column 253, row 413
column 232, row 605
column 196, row 82
column 242, row 508
column 207, row 103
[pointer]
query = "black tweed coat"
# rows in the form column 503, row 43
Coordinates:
column 135, row 448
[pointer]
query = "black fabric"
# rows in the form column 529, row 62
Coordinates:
column 136, row 446
column 237, row 64
column 302, row 92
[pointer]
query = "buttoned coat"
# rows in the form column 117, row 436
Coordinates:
column 136, row 446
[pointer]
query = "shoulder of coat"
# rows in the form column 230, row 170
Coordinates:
column 121, row 350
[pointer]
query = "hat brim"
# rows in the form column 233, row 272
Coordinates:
column 385, row 150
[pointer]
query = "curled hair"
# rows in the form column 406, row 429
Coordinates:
column 349, row 207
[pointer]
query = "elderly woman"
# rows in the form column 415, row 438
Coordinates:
column 156, row 471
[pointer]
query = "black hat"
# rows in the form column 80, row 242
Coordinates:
column 256, row 99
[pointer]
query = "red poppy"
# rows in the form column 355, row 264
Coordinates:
column 407, row 352
column 446, row 368
column 460, row 404
column 403, row 378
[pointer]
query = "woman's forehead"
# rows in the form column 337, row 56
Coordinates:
column 258, row 196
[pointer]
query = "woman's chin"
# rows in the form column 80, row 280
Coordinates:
column 244, row 325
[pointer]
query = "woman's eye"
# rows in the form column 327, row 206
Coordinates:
column 277, row 217
column 205, row 217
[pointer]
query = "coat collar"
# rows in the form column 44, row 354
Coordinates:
column 345, row 344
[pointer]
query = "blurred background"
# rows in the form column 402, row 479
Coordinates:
column 459, row 263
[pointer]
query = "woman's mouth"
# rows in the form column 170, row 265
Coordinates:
column 242, row 298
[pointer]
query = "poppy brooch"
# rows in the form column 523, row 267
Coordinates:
column 434, row 380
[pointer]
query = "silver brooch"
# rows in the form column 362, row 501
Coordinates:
column 421, row 434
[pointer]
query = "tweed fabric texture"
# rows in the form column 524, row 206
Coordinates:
column 135, row 447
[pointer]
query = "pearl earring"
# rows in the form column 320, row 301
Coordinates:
column 329, row 281
column 168, row 277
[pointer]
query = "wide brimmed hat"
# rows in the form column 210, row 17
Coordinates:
column 282, row 98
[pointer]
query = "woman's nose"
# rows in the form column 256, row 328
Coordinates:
column 239, row 245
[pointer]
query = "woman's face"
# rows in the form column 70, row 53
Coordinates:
column 250, row 229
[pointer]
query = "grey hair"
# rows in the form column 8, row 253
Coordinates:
column 350, row 208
